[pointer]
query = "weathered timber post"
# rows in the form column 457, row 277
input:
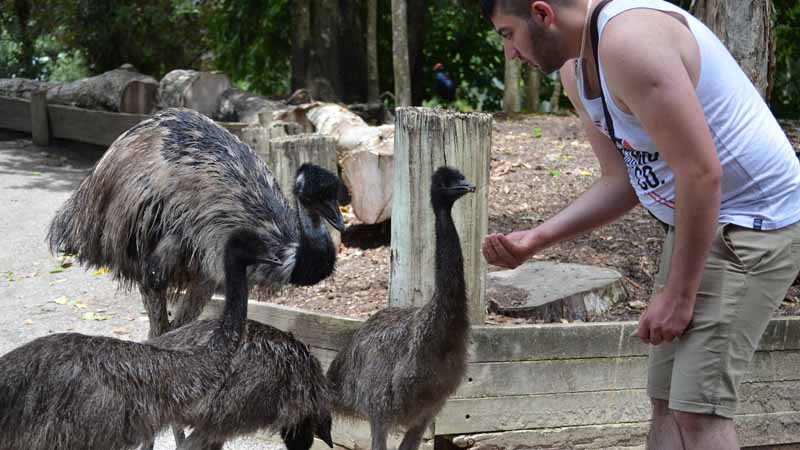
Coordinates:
column 424, row 140
column 286, row 154
column 40, row 122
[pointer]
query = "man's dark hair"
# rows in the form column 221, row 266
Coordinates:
column 516, row 7
column 519, row 8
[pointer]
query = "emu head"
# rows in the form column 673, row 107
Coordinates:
column 447, row 186
column 317, row 190
column 301, row 437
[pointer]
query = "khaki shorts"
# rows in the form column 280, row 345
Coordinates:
column 746, row 278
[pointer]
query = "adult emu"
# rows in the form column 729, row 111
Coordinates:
column 402, row 364
column 163, row 199
column 221, row 377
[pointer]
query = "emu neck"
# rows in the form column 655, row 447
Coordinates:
column 316, row 255
column 449, row 298
column 234, row 313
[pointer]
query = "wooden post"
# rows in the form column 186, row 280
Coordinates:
column 40, row 123
column 424, row 140
column 286, row 154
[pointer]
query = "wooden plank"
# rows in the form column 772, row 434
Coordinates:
column 592, row 340
column 424, row 140
column 40, row 123
column 589, row 408
column 596, row 374
column 319, row 330
column 94, row 127
column 15, row 114
column 779, row 429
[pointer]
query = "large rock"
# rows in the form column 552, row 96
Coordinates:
column 553, row 291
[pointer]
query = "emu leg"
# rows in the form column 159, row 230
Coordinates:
column 191, row 304
column 413, row 437
column 378, row 429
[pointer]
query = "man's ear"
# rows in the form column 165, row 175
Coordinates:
column 543, row 12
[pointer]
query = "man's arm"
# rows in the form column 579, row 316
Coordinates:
column 645, row 56
column 608, row 198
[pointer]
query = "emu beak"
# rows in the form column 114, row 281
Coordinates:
column 325, row 435
column 330, row 212
column 462, row 186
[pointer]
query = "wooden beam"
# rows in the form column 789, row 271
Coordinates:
column 424, row 140
column 15, row 114
column 590, row 408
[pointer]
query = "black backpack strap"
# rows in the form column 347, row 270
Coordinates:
column 595, row 43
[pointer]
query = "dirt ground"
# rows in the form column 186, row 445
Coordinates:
column 539, row 164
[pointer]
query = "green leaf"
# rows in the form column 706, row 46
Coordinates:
column 555, row 173
column 537, row 132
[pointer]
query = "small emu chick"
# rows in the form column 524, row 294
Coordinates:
column 402, row 364
column 162, row 201
column 221, row 377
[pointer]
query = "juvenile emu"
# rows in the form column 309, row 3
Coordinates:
column 221, row 377
column 402, row 364
column 165, row 196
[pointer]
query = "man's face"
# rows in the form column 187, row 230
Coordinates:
column 529, row 39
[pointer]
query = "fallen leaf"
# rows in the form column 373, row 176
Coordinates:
column 94, row 316
column 555, row 173
column 29, row 322
column 585, row 173
column 58, row 269
column 637, row 304
column 121, row 330
column 101, row 271
column 537, row 132
column 61, row 300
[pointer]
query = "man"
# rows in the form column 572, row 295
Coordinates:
column 699, row 148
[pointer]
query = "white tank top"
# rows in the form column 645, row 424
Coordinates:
column 761, row 174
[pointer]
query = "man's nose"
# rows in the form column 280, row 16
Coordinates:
column 510, row 51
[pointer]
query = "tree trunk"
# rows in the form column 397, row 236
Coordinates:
column 324, row 78
column 200, row 91
column 417, row 11
column 119, row 90
column 533, row 84
column 745, row 27
column 426, row 139
column 402, row 73
column 373, row 86
column 555, row 99
column 511, row 100
column 301, row 41
column 22, row 11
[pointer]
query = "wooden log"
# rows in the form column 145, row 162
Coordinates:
column 365, row 155
column 40, row 123
column 236, row 105
column 119, row 90
column 424, row 140
column 285, row 155
column 200, row 91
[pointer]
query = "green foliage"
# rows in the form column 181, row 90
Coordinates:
column 155, row 36
column 785, row 101
column 250, row 41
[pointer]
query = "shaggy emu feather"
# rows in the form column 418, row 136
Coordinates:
column 221, row 377
column 402, row 364
column 161, row 202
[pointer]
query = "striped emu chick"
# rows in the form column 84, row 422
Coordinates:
column 402, row 364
